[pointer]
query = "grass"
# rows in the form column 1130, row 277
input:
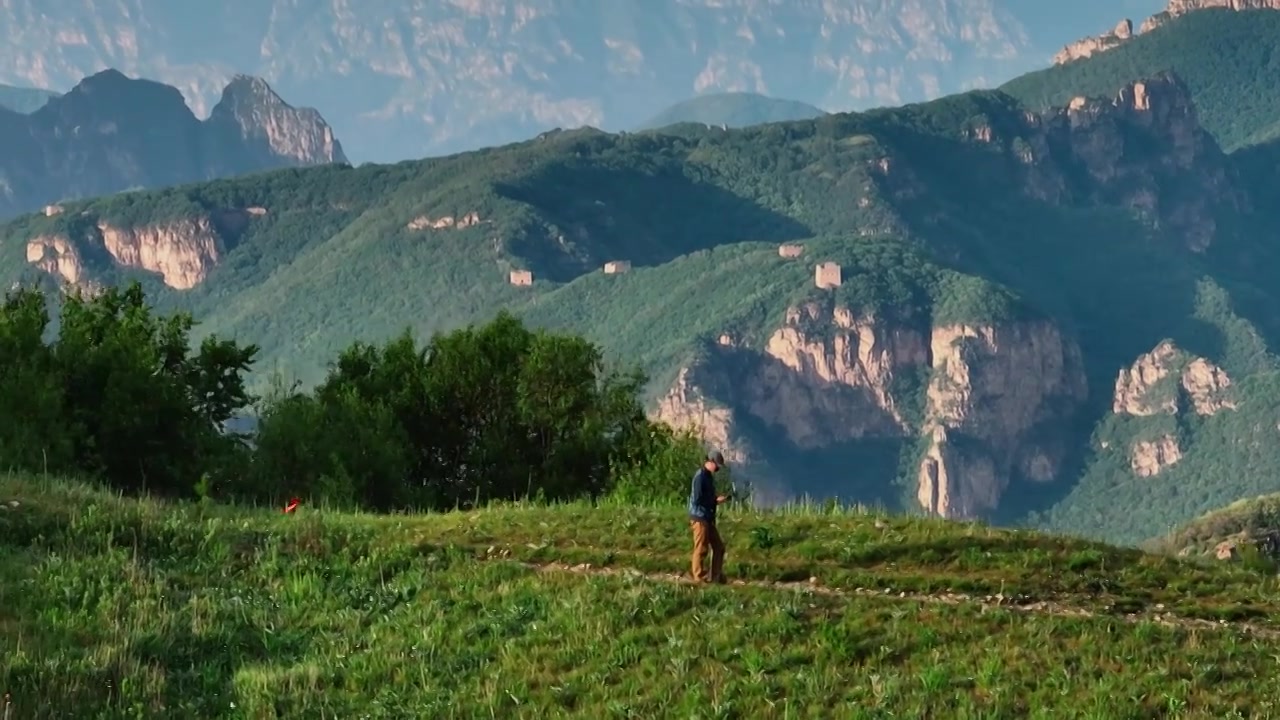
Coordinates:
column 117, row 608
column 1252, row 519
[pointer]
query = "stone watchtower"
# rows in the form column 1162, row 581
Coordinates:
column 616, row 267
column 523, row 278
column 790, row 250
column 827, row 275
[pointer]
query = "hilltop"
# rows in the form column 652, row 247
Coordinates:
column 111, row 133
column 733, row 110
column 1224, row 56
column 424, row 78
column 1249, row 526
column 530, row 610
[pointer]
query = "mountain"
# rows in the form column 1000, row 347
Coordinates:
column 423, row 77
column 733, row 110
column 1226, row 58
column 1078, row 335
column 24, row 100
column 112, row 133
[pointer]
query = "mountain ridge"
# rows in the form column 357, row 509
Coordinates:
column 930, row 273
column 1124, row 32
column 111, row 133
column 427, row 78
column 739, row 109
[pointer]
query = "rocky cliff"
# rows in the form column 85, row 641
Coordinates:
column 112, row 133
column 1123, row 31
column 995, row 400
column 181, row 252
column 1142, row 149
column 980, row 407
column 1168, row 381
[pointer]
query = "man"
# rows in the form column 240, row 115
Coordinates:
column 703, row 502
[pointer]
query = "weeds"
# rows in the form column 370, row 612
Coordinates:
column 119, row 609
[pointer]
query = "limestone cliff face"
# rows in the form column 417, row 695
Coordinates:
column 112, row 133
column 1124, row 30
column 1088, row 46
column 1143, row 149
column 993, row 390
column 861, row 356
column 182, row 252
column 266, row 130
column 1148, row 458
column 829, row 376
column 687, row 406
column 1170, row 380
column 58, row 256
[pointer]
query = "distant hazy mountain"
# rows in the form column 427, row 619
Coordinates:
column 421, row 77
column 734, row 110
column 113, row 133
column 24, row 100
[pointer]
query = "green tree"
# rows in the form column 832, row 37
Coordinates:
column 118, row 395
column 490, row 412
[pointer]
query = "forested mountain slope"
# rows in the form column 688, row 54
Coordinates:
column 1063, row 317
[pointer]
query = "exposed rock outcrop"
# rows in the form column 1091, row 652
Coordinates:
column 1169, row 380
column 687, row 406
column 994, row 389
column 1123, row 31
column 268, row 132
column 444, row 222
column 1088, row 46
column 1139, row 149
column 829, row 376
column 112, row 133
column 58, row 256
column 182, row 252
column 1148, row 458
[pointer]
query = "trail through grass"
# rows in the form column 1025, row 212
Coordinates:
column 119, row 609
column 1157, row 614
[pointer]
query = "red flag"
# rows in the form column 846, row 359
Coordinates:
column 293, row 505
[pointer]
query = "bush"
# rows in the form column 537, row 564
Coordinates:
column 659, row 468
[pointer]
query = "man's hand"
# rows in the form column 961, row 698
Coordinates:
column 721, row 500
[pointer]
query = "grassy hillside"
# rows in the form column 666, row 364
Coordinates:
column 240, row 613
column 1227, row 58
column 1252, row 522
column 735, row 110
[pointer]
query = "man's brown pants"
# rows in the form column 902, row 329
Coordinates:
column 705, row 535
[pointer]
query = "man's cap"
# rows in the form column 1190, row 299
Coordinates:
column 715, row 457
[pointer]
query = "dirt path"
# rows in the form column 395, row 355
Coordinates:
column 1012, row 604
